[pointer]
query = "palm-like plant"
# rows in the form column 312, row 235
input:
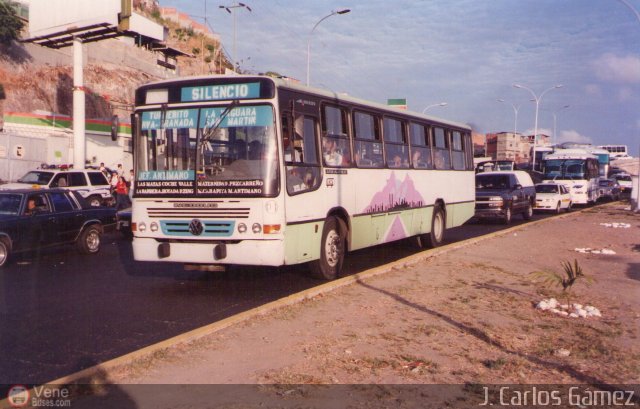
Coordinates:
column 572, row 273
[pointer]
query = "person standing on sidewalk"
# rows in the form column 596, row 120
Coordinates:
column 121, row 194
column 113, row 183
column 130, row 185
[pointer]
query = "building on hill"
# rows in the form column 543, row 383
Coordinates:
column 508, row 146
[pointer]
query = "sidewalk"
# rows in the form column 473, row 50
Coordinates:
column 467, row 316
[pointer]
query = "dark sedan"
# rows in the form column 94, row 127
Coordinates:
column 123, row 219
column 31, row 219
column 610, row 189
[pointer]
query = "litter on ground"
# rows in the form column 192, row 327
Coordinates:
column 616, row 225
column 586, row 250
column 575, row 311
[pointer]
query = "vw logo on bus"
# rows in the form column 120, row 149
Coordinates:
column 195, row 227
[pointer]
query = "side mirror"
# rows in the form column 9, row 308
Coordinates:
column 115, row 124
column 517, row 186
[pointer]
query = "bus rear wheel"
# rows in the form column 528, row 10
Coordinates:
column 332, row 249
column 435, row 237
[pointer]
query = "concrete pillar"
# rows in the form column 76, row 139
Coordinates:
column 79, row 145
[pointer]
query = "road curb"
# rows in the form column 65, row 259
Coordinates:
column 101, row 371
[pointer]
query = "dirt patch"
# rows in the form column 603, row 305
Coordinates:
column 467, row 316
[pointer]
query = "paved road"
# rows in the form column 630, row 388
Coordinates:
column 61, row 312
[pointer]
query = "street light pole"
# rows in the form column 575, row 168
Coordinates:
column 515, row 111
column 555, row 139
column 637, row 198
column 333, row 13
column 229, row 10
column 535, row 127
column 441, row 104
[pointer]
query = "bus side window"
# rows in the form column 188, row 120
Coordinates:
column 300, row 153
column 336, row 149
column 442, row 157
column 457, row 153
column 420, row 149
column 395, row 143
column 368, row 143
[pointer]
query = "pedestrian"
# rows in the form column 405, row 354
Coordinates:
column 121, row 194
column 113, row 183
column 130, row 184
column 103, row 169
column 120, row 170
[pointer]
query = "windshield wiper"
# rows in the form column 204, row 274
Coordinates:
column 208, row 133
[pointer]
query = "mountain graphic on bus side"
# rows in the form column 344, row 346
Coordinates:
column 397, row 230
column 395, row 195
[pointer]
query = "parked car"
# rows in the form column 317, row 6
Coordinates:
column 609, row 188
column 502, row 194
column 91, row 184
column 624, row 180
column 123, row 223
column 35, row 218
column 553, row 197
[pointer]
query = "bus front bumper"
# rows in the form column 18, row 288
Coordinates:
column 245, row 252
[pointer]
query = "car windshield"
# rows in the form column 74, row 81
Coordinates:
column 492, row 181
column 546, row 188
column 10, row 203
column 36, row 178
column 624, row 178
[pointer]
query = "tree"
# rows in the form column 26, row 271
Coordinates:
column 10, row 23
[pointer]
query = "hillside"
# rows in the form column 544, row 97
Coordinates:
column 36, row 78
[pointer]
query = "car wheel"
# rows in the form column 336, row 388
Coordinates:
column 332, row 249
column 558, row 208
column 569, row 207
column 506, row 219
column 528, row 212
column 4, row 252
column 435, row 237
column 89, row 240
column 94, row 201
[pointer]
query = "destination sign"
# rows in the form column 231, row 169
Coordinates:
column 154, row 175
column 173, row 119
column 240, row 116
column 221, row 92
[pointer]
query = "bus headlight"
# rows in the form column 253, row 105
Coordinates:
column 256, row 228
column 142, row 226
column 242, row 228
column 153, row 226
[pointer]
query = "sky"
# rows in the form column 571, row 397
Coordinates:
column 467, row 53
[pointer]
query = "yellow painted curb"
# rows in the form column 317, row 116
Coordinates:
column 102, row 369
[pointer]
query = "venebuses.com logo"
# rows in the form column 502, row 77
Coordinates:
column 18, row 396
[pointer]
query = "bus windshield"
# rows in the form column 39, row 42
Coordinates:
column 564, row 169
column 212, row 151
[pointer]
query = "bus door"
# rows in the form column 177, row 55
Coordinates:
column 302, row 181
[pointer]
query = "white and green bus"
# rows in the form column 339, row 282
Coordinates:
column 253, row 170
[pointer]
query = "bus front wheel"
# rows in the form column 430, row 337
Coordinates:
column 435, row 237
column 332, row 249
